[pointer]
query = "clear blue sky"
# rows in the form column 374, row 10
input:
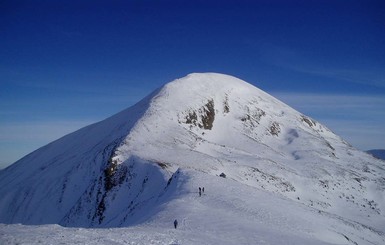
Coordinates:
column 66, row 64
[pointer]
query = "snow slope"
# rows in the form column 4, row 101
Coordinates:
column 289, row 179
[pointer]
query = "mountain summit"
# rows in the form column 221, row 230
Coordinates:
column 256, row 155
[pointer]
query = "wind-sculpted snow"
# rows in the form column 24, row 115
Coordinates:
column 288, row 179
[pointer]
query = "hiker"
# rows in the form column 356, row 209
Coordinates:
column 203, row 190
column 175, row 223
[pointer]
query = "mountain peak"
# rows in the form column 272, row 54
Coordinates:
column 198, row 86
column 200, row 127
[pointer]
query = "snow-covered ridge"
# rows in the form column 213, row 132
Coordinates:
column 129, row 169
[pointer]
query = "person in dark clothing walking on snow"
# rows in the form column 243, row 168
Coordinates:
column 203, row 190
column 175, row 223
column 200, row 191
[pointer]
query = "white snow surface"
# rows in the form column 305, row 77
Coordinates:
column 288, row 179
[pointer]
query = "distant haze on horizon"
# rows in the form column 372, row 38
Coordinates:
column 65, row 65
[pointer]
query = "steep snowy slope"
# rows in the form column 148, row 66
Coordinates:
column 228, row 212
column 140, row 166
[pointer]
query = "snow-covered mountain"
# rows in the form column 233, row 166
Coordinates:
column 271, row 174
